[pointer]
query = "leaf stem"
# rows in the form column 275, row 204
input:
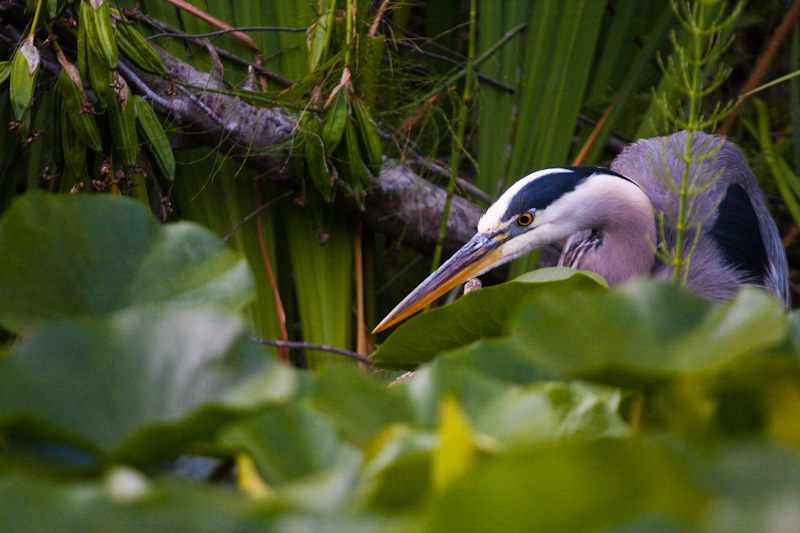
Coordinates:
column 36, row 17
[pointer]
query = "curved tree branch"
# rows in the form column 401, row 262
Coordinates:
column 402, row 205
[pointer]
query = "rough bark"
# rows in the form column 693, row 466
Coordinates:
column 402, row 205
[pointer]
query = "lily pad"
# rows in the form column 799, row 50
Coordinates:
column 79, row 255
column 136, row 384
column 481, row 314
column 645, row 332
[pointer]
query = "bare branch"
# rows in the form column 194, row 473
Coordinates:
column 313, row 346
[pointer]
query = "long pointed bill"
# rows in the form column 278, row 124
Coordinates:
column 474, row 257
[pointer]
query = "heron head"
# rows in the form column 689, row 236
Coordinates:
column 537, row 210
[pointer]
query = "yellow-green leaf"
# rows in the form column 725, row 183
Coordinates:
column 456, row 453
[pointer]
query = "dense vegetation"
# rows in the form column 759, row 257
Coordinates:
column 135, row 392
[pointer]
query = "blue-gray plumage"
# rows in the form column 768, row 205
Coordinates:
column 615, row 220
column 739, row 242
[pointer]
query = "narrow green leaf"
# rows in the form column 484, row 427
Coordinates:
column 323, row 268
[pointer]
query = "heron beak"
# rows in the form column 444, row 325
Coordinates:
column 474, row 257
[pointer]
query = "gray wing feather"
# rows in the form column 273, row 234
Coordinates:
column 656, row 165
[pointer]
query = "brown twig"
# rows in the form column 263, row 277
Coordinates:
column 214, row 21
column 283, row 351
column 362, row 334
column 592, row 136
column 256, row 211
column 313, row 346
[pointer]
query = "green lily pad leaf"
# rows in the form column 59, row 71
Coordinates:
column 398, row 474
column 569, row 486
column 553, row 411
column 286, row 442
column 76, row 255
column 472, row 390
column 325, row 491
column 29, row 504
column 501, row 358
column 754, row 486
column 645, row 332
column 479, row 314
column 361, row 405
column 136, row 384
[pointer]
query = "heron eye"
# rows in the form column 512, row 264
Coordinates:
column 525, row 219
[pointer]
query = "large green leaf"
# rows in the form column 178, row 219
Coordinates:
column 68, row 256
column 478, row 314
column 286, row 442
column 756, row 487
column 502, row 358
column 398, row 474
column 552, row 411
column 126, row 501
column 341, row 391
column 569, row 486
column 137, row 384
column 645, row 332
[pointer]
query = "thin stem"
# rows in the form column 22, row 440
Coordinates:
column 348, row 32
column 445, row 85
column 256, row 211
column 313, row 346
column 693, row 81
column 458, row 141
column 36, row 17
column 227, row 31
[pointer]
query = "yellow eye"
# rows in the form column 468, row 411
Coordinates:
column 525, row 219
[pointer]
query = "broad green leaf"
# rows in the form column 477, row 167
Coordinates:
column 361, row 405
column 76, row 255
column 501, row 358
column 477, row 315
column 427, row 388
column 569, row 486
column 646, row 332
column 755, row 487
column 136, row 384
column 329, row 489
column 758, row 397
column 552, row 411
column 397, row 476
column 286, row 442
column 28, row 504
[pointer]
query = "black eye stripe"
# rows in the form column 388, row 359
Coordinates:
column 545, row 190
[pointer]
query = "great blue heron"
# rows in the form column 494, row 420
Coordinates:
column 612, row 219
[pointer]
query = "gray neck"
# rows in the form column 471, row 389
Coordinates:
column 620, row 241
